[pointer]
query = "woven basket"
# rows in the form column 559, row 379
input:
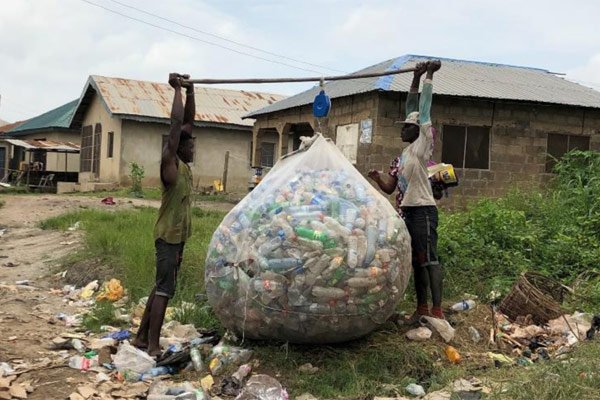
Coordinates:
column 536, row 295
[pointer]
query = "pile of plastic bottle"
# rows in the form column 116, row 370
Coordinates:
column 320, row 257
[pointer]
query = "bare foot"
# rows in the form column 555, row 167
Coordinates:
column 139, row 343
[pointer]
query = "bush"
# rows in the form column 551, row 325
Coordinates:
column 136, row 174
column 555, row 231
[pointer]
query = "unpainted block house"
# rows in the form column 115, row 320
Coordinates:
column 499, row 125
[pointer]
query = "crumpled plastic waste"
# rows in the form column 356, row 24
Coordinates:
column 263, row 387
column 130, row 359
column 314, row 254
column 223, row 355
column 419, row 334
column 415, row 390
column 442, row 327
column 88, row 291
column 111, row 291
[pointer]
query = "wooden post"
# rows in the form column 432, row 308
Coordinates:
column 66, row 168
column 225, row 168
column 28, row 169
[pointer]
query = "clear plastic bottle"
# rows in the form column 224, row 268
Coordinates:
column 371, row 244
column 242, row 372
column 352, row 257
column 474, row 333
column 463, row 305
column 330, row 293
column 269, row 246
column 197, row 359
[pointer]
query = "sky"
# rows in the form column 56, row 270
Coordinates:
column 48, row 48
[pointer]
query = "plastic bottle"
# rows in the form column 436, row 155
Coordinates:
column 269, row 246
column 360, row 223
column 279, row 264
column 303, row 209
column 361, row 282
column 474, row 333
column 311, row 234
column 335, row 263
column 361, row 247
column 332, row 293
column 78, row 345
column 82, row 363
column 463, row 305
column 196, row 359
column 452, row 354
column 157, row 371
column 352, row 257
column 334, row 226
column 371, row 244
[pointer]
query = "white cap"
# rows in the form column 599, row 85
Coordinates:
column 412, row 118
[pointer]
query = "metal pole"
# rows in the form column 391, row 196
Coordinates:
column 28, row 169
column 307, row 79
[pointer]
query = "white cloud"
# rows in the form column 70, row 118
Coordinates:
column 588, row 74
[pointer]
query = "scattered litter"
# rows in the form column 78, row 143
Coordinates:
column 439, row 395
column 594, row 328
column 18, row 391
column 119, row 335
column 25, row 282
column 5, row 369
column 128, row 358
column 223, row 355
column 108, row 201
column 83, row 363
column 86, row 391
column 102, row 377
column 308, row 396
column 111, row 291
column 88, row 291
column 207, row 382
column 475, row 335
column 442, row 327
column 453, row 355
column 263, row 387
column 197, row 359
column 75, row 226
column 97, row 344
column 419, row 334
column 3, row 231
column 415, row 390
column 11, row 265
column 240, row 375
column 308, row 368
column 464, row 305
column 467, row 385
column 500, row 358
column 68, row 242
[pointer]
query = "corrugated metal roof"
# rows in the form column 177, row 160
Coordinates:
column 458, row 78
column 133, row 98
column 59, row 117
column 48, row 145
column 6, row 128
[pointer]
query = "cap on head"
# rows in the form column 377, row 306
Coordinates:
column 412, row 118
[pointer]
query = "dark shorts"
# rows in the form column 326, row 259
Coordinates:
column 422, row 225
column 168, row 260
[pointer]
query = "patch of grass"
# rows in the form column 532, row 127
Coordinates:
column 199, row 314
column 15, row 190
column 150, row 193
column 124, row 240
column 2, row 202
column 103, row 313
column 381, row 364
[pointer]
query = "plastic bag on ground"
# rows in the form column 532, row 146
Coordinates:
column 263, row 387
column 111, row 291
column 130, row 359
column 314, row 254
column 442, row 327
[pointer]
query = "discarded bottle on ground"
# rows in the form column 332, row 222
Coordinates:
column 314, row 254
column 463, row 305
column 453, row 355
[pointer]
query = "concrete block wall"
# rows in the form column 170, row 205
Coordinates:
column 518, row 136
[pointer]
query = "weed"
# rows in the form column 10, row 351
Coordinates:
column 103, row 313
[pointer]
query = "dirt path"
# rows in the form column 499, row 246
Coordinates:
column 30, row 254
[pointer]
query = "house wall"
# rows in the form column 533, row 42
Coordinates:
column 142, row 143
column 518, row 136
column 56, row 161
column 110, row 168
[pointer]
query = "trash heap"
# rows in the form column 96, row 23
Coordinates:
column 314, row 254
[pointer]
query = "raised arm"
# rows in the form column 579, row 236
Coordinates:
column 412, row 100
column 427, row 93
column 168, row 164
column 190, row 108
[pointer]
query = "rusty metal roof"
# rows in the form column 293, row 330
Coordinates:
column 135, row 99
column 462, row 78
column 47, row 145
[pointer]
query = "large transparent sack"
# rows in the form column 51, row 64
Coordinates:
column 314, row 254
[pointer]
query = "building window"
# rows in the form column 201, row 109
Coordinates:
column 559, row 145
column 87, row 137
column 466, row 146
column 267, row 154
column 111, row 143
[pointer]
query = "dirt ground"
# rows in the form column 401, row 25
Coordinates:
column 30, row 254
